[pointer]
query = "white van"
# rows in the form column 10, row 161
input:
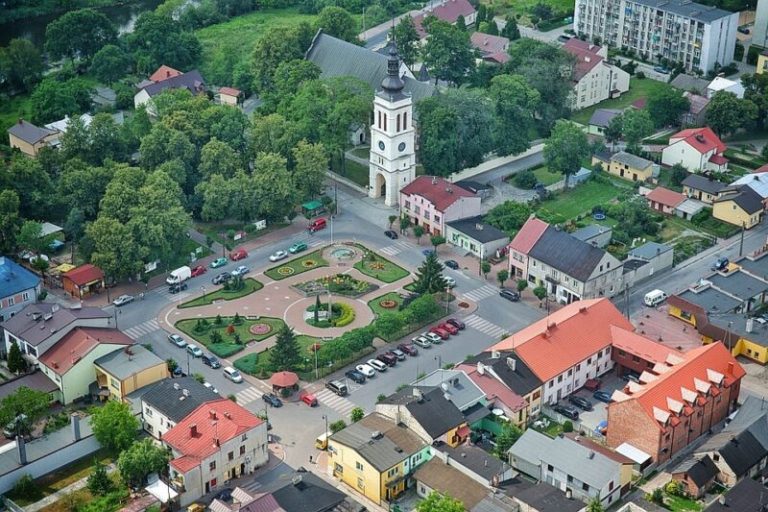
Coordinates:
column 654, row 298
column 179, row 275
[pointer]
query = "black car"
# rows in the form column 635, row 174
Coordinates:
column 272, row 400
column 355, row 376
column 222, row 278
column 603, row 396
column 568, row 411
column 211, row 361
column 720, row 264
column 224, row 495
column 451, row 264
column 176, row 288
column 456, row 323
column 390, row 234
column 509, row 294
column 581, row 403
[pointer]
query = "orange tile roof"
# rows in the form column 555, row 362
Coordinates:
column 689, row 380
column 163, row 73
column 665, row 196
column 77, row 344
column 641, row 346
column 220, row 420
column 566, row 337
column 230, row 91
column 528, row 235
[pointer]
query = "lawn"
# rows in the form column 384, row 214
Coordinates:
column 576, row 201
column 553, row 429
column 298, row 265
column 681, row 504
column 258, row 363
column 180, row 257
column 545, row 177
column 638, row 88
column 250, row 285
column 378, row 267
column 378, row 309
column 13, row 108
column 356, row 172
column 228, row 346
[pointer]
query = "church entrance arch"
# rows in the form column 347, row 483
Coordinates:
column 378, row 185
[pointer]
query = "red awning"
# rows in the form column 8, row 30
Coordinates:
column 284, row 379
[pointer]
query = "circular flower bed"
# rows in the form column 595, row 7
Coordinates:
column 463, row 305
column 285, row 271
column 376, row 265
column 388, row 304
column 259, row 329
column 308, row 263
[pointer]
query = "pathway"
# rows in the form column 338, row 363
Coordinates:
column 61, row 493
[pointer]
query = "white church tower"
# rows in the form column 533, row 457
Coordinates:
column 393, row 152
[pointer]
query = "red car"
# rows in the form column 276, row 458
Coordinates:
column 449, row 327
column 409, row 349
column 199, row 270
column 440, row 332
column 239, row 254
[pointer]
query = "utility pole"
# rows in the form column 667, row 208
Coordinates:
column 626, row 301
column 741, row 241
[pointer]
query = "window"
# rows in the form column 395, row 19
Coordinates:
column 570, row 372
column 589, row 361
column 338, row 468
column 585, row 487
column 10, row 301
column 392, row 472
column 578, row 367
column 437, row 218
column 242, row 450
column 358, row 466
column 551, row 383
column 635, row 359
column 398, row 123
column 212, row 465
column 115, row 384
column 405, row 120
column 570, row 479
column 550, row 468
column 559, row 379
column 25, row 296
column 610, row 486
column 148, row 412
column 622, row 353
column 378, row 123
column 417, row 210
column 244, row 438
column 407, row 205
column 536, row 395
column 231, row 456
column 716, row 457
column 360, row 484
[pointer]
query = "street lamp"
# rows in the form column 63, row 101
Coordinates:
column 203, row 288
column 326, row 423
column 188, row 372
column 439, row 360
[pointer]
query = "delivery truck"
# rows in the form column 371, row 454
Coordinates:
column 179, row 275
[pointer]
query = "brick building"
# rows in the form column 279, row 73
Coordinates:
column 635, row 354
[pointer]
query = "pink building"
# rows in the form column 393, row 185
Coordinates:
column 432, row 202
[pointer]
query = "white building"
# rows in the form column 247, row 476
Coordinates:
column 760, row 31
column 695, row 35
column 696, row 149
column 594, row 78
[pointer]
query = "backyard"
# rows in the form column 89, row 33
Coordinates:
column 638, row 88
column 250, row 285
column 545, row 176
column 571, row 203
column 298, row 265
column 523, row 8
column 227, row 335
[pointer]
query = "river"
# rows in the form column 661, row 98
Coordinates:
column 123, row 16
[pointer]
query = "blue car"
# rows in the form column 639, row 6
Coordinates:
column 427, row 252
column 602, row 396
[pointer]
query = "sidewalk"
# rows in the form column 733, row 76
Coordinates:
column 60, row 494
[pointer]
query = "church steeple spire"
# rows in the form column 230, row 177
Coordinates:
column 392, row 83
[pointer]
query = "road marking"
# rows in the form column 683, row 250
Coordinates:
column 252, row 486
column 484, row 326
column 172, row 297
column 481, row 293
column 335, row 402
column 142, row 329
column 248, row 395
column 395, row 248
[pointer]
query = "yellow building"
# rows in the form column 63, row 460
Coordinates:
column 376, row 457
column 630, row 167
column 762, row 63
column 742, row 207
column 30, row 139
column 125, row 370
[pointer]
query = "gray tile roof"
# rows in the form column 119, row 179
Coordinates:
column 739, row 284
column 38, row 381
column 734, row 326
column 631, row 160
column 701, row 471
column 28, row 322
column 746, row 496
column 649, row 250
column 522, row 380
column 485, row 234
column 602, row 117
column 529, row 448
column 309, row 494
column 460, row 389
column 191, row 80
column 545, row 498
column 172, row 402
column 689, row 83
column 429, row 408
column 474, row 459
column 711, row 300
column 567, row 254
column 698, row 12
column 741, row 451
column 703, row 183
column 28, row 132
column 589, row 232
column 746, row 198
column 123, row 363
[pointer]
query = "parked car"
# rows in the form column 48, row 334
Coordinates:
column 232, row 374
column 399, row 354
column 178, row 372
column 177, row 340
column 387, row 358
column 602, row 396
column 377, row 365
column 17, row 426
column 449, row 282
column 309, row 399
column 176, row 288
column 581, row 402
column 432, row 337
column 563, row 38
column 222, row 278
column 272, row 400
column 444, row 335
column 631, row 376
column 451, row 264
column 317, row 225
column 592, row 384
column 508, row 294
column 427, row 252
column 568, row 411
column 337, row 387
column 194, row 350
column 218, row 262
column 390, row 234
column 239, row 254
column 211, row 387
column 123, row 300
column 422, row 341
column 297, row 247
column 199, row 270
column 408, row 349
column 279, row 255
column 211, row 361
column 720, row 264
column 355, row 376
column 661, row 69
column 224, row 495
column 366, row 370
column 743, row 30
column 240, row 271
column 456, row 323
column 452, row 329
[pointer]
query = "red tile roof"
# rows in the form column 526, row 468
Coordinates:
column 85, row 274
column 438, row 191
column 718, row 159
column 449, row 11
column 641, row 346
column 163, row 73
column 702, row 140
column 762, row 168
column 665, row 197
column 220, row 420
column 566, row 337
column 586, row 56
column 77, row 344
column 494, row 47
column 494, row 389
column 528, row 235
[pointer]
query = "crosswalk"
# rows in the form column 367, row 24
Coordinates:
column 172, row 297
column 248, row 395
column 481, row 324
column 335, row 402
column 396, row 248
column 142, row 329
column 481, row 293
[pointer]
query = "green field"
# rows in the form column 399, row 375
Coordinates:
column 575, row 201
column 250, row 285
column 523, row 7
column 546, row 177
column 258, row 363
column 638, row 88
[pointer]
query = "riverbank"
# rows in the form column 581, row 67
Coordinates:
column 53, row 7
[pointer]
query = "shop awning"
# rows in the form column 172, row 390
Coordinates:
column 635, row 454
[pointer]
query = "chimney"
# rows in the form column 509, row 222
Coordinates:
column 185, row 392
column 479, row 227
column 22, row 449
column 227, row 415
column 480, row 368
column 167, row 74
column 434, row 180
column 75, row 427
column 193, row 430
column 512, row 363
column 731, row 367
column 212, row 414
column 417, row 393
column 176, row 386
column 21, row 121
column 750, row 324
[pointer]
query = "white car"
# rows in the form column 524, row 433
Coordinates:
column 450, row 282
column 233, row 375
column 432, row 337
column 365, row 370
column 177, row 340
column 279, row 255
column 421, row 341
column 377, row 365
column 122, row 300
column 211, row 387
column 240, row 271
column 194, row 350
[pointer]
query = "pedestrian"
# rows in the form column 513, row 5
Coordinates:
column 310, row 459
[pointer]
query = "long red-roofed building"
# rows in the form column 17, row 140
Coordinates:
column 218, row 441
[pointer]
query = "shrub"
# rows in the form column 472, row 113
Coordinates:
column 381, row 398
column 567, row 426
column 218, row 320
column 525, row 179
column 346, row 317
column 675, row 488
column 337, row 426
column 522, row 284
column 25, row 488
column 640, row 75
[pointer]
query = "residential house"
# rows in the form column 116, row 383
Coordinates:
column 217, row 442
column 568, row 347
column 493, row 49
column 595, row 234
column 696, row 149
column 457, row 387
column 39, row 326
column 762, row 63
column 634, row 354
column 169, row 401
column 741, row 207
column 720, row 83
column 696, row 474
column 690, row 83
column 540, row 497
column 645, row 260
column 475, row 462
column 674, row 404
column 664, row 200
column 376, row 457
column 740, row 450
column 191, row 81
column 702, row 188
column 428, row 413
column 566, row 267
column 28, row 138
column 36, row 380
column 601, row 119
column 431, row 202
column 124, row 371
column 757, row 180
column 69, row 363
column 230, row 96
column 631, row 168
column 586, row 469
column 746, row 496
column 476, row 236
column 594, row 79
column 19, row 290
column 448, row 11
column 695, row 116
column 61, row 126
column 82, row 281
column 164, row 73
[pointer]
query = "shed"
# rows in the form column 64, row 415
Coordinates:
column 83, row 280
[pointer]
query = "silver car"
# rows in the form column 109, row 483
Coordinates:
column 366, row 370
column 422, row 342
column 279, row 255
column 123, row 300
column 177, row 340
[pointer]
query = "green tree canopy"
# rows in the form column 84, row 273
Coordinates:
column 310, row 165
column 566, row 148
column 114, row 425
column 437, row 502
column 110, row 64
column 726, row 113
column 139, row 460
column 635, row 126
column 448, row 53
column 337, row 22
column 158, row 39
column 515, row 103
column 666, row 105
column 429, row 276
column 285, row 354
column 273, row 48
column 407, row 39
column 54, row 99
column 21, row 65
column 79, row 33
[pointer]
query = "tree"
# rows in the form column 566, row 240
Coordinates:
column 273, row 186
column 337, row 22
column 635, row 126
column 678, row 174
column 275, row 46
column 310, row 165
column 115, row 250
column 522, row 284
column 437, row 502
column 614, row 130
column 515, row 103
column 357, row 414
column 31, row 237
column 288, row 79
column 158, row 39
column 9, row 219
column 437, row 241
column 726, row 113
column 110, row 64
column 21, row 65
column 666, row 105
column 16, row 363
column 511, row 30
column 114, row 426
column 429, row 276
column 53, row 99
column 565, row 149
column 407, row 39
column 525, row 179
column 218, row 157
column 418, row 232
column 31, row 403
column 502, row 275
column 504, row 441
column 79, row 33
column 285, row 355
column 595, row 505
column 388, row 323
column 405, row 223
column 448, row 53
column 540, row 292
column 98, row 481
column 141, row 459
column 391, row 219
column 485, row 268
